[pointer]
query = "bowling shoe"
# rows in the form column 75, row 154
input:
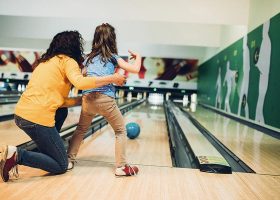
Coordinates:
column 126, row 170
column 71, row 164
column 8, row 163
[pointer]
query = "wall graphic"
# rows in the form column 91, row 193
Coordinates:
column 243, row 79
column 154, row 72
column 165, row 69
column 263, row 65
column 164, row 73
column 218, row 88
column 229, row 82
column 18, row 61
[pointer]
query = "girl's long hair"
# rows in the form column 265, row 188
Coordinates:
column 103, row 44
column 69, row 43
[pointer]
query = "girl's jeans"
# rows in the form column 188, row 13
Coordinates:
column 97, row 103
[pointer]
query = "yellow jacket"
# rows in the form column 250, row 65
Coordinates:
column 48, row 89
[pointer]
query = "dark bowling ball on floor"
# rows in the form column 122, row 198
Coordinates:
column 133, row 130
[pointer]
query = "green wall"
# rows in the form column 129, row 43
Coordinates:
column 244, row 78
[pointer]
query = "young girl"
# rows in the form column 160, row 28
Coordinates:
column 102, row 61
column 38, row 111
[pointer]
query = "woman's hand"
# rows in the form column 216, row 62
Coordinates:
column 84, row 72
column 72, row 101
column 119, row 79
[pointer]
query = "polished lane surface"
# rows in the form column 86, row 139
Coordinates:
column 10, row 134
column 151, row 147
column 7, row 109
column 259, row 151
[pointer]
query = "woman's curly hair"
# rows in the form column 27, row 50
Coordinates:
column 69, row 43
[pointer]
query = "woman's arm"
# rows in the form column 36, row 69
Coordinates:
column 133, row 68
column 116, row 78
column 72, row 101
column 75, row 76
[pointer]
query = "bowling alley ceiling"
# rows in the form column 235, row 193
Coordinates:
column 178, row 28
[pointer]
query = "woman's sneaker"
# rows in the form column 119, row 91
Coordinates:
column 70, row 165
column 71, row 162
column 8, row 163
column 126, row 170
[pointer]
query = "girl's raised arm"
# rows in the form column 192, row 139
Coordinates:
column 133, row 68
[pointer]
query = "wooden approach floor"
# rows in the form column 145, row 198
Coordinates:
column 93, row 176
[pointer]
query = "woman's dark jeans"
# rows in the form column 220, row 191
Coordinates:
column 52, row 156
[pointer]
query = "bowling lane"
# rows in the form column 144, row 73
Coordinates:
column 9, row 96
column 258, row 150
column 11, row 134
column 72, row 117
column 151, row 147
column 7, row 109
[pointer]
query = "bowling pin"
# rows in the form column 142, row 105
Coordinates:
column 193, row 107
column 129, row 96
column 145, row 95
column 194, row 98
column 185, row 100
column 138, row 96
column 19, row 87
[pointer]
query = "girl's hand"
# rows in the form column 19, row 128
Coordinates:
column 133, row 55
